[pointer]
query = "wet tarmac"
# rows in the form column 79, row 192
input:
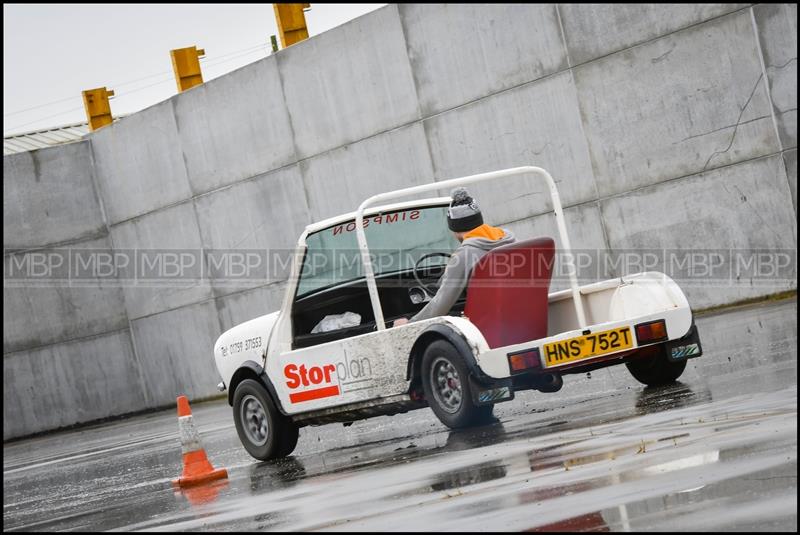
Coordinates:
column 715, row 451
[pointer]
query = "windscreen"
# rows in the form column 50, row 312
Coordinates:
column 396, row 240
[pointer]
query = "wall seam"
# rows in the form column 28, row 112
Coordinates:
column 207, row 300
column 583, row 132
column 415, row 83
column 134, row 351
column 297, row 160
column 83, row 338
column 676, row 30
column 764, row 76
column 563, row 36
column 57, row 245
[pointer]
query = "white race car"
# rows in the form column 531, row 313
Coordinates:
column 360, row 271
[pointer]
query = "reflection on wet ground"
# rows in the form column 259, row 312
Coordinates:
column 664, row 398
column 469, row 476
column 717, row 450
column 278, row 474
column 203, row 494
column 583, row 523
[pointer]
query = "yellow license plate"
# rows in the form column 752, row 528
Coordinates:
column 589, row 345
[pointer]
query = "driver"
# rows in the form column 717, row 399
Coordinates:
column 464, row 218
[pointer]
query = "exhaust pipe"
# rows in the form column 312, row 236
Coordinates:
column 550, row 382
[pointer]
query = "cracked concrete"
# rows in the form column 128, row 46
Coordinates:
column 738, row 122
column 641, row 118
column 776, row 28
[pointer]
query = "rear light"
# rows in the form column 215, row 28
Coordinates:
column 524, row 360
column 652, row 331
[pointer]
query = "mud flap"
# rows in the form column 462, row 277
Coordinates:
column 684, row 348
column 497, row 392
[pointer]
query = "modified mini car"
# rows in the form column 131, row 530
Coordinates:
column 331, row 353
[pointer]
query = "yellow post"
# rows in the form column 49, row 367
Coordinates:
column 98, row 110
column 291, row 22
column 186, row 64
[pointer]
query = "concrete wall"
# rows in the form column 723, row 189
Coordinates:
column 666, row 126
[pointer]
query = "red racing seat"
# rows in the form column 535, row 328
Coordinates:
column 507, row 292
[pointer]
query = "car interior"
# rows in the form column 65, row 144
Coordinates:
column 401, row 295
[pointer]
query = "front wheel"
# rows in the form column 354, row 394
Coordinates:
column 445, row 380
column 656, row 370
column 264, row 432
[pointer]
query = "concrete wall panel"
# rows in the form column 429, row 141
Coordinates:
column 49, row 197
column 690, row 101
column 234, row 127
column 595, row 30
column 339, row 181
column 139, row 164
column 163, row 280
column 350, row 83
column 462, row 52
column 537, row 124
column 69, row 383
column 777, row 31
column 264, row 217
column 176, row 353
column 42, row 311
column 736, row 209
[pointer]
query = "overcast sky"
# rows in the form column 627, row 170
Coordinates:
column 53, row 52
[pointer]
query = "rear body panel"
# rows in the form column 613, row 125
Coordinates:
column 609, row 305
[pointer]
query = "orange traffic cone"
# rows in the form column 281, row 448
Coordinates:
column 196, row 467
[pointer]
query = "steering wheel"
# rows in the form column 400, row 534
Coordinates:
column 416, row 270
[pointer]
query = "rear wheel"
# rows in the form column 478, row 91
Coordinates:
column 445, row 380
column 656, row 370
column 263, row 431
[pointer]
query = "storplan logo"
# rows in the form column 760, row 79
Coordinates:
column 297, row 376
column 325, row 380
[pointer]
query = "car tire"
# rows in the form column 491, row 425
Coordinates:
column 264, row 433
column 656, row 370
column 445, row 381
column 288, row 439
